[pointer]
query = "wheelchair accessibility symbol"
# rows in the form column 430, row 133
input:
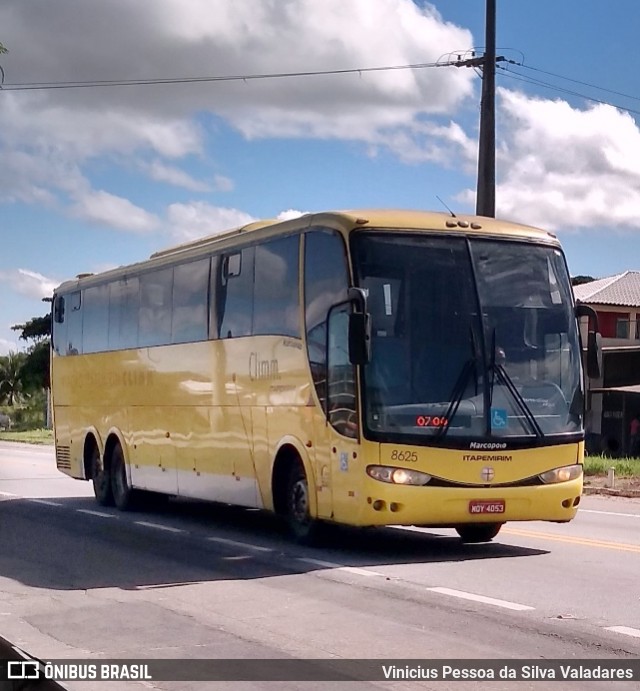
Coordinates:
column 498, row 418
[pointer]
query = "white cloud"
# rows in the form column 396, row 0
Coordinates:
column 561, row 166
column 198, row 219
column 108, row 209
column 29, row 283
column 223, row 184
column 289, row 214
column 174, row 176
column 45, row 133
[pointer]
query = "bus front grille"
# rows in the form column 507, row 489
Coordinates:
column 63, row 457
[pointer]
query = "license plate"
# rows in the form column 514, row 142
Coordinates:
column 486, row 506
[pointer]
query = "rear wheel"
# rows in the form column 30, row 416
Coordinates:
column 123, row 495
column 478, row 532
column 101, row 478
column 303, row 528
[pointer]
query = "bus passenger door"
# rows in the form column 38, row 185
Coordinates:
column 341, row 422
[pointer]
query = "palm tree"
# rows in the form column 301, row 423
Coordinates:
column 10, row 378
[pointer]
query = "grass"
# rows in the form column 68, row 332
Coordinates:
column 599, row 465
column 31, row 436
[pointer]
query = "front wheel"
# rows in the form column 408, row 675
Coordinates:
column 304, row 529
column 478, row 532
column 123, row 495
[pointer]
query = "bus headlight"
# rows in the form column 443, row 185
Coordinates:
column 564, row 474
column 397, row 476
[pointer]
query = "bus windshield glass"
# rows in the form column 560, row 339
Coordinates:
column 472, row 339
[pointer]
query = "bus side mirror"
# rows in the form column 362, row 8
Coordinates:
column 359, row 338
column 594, row 355
column 359, row 328
column 594, row 341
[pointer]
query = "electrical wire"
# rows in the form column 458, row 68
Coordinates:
column 505, row 71
column 538, row 82
column 35, row 86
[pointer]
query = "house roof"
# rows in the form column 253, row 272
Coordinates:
column 622, row 289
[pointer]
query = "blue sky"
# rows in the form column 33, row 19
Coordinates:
column 97, row 177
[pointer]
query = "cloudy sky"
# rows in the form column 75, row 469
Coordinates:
column 99, row 176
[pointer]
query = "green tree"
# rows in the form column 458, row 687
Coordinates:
column 579, row 280
column 35, row 369
column 11, row 385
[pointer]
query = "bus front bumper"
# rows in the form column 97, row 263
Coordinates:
column 387, row 504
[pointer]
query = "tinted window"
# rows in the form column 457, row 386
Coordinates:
column 190, row 287
column 123, row 313
column 95, row 319
column 234, row 293
column 326, row 283
column 276, row 307
column 155, row 308
column 67, row 324
column 73, row 317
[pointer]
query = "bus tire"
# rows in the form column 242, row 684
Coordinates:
column 101, row 479
column 301, row 527
column 123, row 495
column 478, row 532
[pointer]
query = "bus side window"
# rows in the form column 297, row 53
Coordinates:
column 67, row 333
column 58, row 309
column 58, row 325
column 276, row 308
column 189, row 322
column 326, row 283
column 154, row 325
column 95, row 319
column 234, row 294
column 124, row 296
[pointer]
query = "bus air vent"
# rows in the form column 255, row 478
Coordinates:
column 63, row 457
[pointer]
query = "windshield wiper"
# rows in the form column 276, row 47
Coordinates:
column 497, row 369
column 507, row 382
column 457, row 394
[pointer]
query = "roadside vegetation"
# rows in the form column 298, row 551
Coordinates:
column 24, row 380
column 30, row 436
column 599, row 465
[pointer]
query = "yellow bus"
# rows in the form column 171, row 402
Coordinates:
column 365, row 368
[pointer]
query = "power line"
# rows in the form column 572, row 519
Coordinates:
column 37, row 86
column 509, row 72
column 578, row 81
column 538, row 82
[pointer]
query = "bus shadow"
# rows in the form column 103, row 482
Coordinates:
column 78, row 545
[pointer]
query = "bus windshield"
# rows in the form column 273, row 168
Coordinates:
column 472, row 339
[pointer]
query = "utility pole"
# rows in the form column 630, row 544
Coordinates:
column 486, row 183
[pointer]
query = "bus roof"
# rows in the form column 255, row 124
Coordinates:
column 383, row 219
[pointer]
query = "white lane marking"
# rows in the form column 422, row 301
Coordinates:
column 341, row 567
column 610, row 513
column 168, row 528
column 102, row 514
column 235, row 543
column 626, row 630
column 46, row 502
column 481, row 598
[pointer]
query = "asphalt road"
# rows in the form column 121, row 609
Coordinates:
column 194, row 580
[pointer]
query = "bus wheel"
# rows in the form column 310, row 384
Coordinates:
column 478, row 532
column 302, row 527
column 101, row 479
column 122, row 494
